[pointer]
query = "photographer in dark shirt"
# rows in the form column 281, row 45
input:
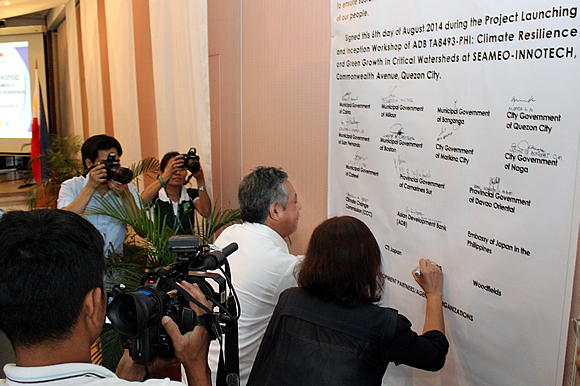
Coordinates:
column 169, row 196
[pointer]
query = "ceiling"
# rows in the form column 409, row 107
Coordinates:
column 27, row 8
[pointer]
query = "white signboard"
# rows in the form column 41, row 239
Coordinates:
column 454, row 135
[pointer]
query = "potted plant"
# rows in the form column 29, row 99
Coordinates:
column 64, row 163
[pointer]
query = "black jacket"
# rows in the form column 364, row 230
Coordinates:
column 312, row 342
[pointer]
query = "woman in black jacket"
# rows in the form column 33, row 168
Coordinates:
column 329, row 331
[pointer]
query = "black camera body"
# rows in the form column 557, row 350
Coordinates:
column 137, row 315
column 191, row 161
column 115, row 171
column 149, row 340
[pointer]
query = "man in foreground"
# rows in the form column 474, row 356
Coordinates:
column 262, row 267
column 53, row 305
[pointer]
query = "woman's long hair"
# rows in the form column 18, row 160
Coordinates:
column 343, row 263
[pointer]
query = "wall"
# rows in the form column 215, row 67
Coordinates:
column 136, row 70
column 269, row 79
column 276, row 113
column 224, row 48
column 64, row 114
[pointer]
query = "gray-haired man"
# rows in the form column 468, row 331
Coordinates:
column 262, row 267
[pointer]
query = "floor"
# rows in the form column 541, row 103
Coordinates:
column 14, row 189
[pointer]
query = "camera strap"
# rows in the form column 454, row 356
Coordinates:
column 88, row 171
column 229, row 369
column 228, row 373
column 209, row 321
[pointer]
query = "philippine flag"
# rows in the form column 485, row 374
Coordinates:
column 40, row 141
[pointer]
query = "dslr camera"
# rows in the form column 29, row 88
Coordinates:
column 191, row 161
column 137, row 315
column 115, row 171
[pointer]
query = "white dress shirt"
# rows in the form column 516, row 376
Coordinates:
column 113, row 230
column 262, row 268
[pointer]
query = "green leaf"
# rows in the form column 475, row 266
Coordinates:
column 145, row 223
column 206, row 228
column 148, row 166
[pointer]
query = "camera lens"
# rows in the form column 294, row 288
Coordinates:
column 123, row 175
column 193, row 166
column 133, row 312
column 192, row 161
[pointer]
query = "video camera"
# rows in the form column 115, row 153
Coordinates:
column 137, row 315
column 115, row 171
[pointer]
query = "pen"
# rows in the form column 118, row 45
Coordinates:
column 418, row 270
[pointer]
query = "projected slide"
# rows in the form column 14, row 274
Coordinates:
column 15, row 108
